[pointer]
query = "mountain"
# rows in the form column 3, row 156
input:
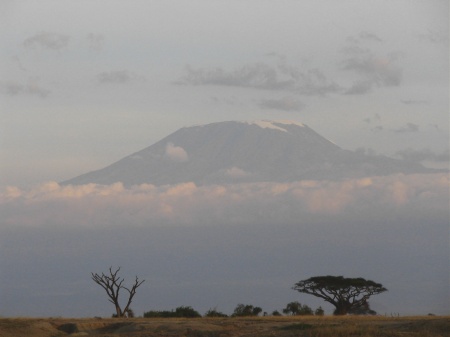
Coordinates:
column 231, row 152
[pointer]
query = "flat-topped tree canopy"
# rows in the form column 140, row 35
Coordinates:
column 346, row 294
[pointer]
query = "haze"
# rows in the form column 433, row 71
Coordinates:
column 84, row 84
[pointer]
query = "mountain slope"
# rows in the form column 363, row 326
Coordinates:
column 230, row 152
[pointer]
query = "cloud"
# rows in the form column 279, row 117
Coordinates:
column 118, row 77
column 263, row 77
column 96, row 41
column 376, row 117
column 32, row 88
column 18, row 62
column 377, row 70
column 423, row 155
column 258, row 76
column 378, row 128
column 413, row 101
column 176, row 153
column 360, row 88
column 371, row 69
column 409, row 127
column 52, row 41
column 187, row 204
column 287, row 103
column 435, row 36
column 236, row 172
column 369, row 37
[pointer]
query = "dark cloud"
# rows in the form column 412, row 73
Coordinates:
column 369, row 37
column 45, row 40
column 32, row 88
column 435, row 36
column 259, row 76
column 18, row 62
column 264, row 77
column 284, row 104
column 371, row 69
column 409, row 127
column 377, row 128
column 354, row 49
column 376, row 117
column 309, row 82
column 360, row 88
column 95, row 41
column 423, row 155
column 118, row 76
column 374, row 70
column 413, row 101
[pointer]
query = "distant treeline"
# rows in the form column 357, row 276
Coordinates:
column 241, row 310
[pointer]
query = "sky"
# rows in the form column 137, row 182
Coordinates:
column 86, row 83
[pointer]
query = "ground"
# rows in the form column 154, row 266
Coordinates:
column 424, row 326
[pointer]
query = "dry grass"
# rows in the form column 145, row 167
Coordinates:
column 327, row 326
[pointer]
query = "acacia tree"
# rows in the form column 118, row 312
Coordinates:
column 346, row 294
column 112, row 285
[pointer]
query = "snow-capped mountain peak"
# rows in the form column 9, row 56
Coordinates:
column 269, row 124
column 249, row 151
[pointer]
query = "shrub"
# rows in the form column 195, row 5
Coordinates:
column 296, row 308
column 183, row 311
column 214, row 313
column 319, row 312
column 186, row 311
column 246, row 310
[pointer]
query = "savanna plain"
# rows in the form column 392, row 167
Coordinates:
column 285, row 326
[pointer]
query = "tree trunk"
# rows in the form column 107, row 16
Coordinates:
column 342, row 308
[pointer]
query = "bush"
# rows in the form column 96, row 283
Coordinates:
column 214, row 313
column 159, row 314
column 276, row 313
column 296, row 308
column 186, row 311
column 246, row 310
column 319, row 312
column 183, row 311
column 363, row 309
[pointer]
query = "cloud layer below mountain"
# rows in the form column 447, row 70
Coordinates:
column 188, row 204
column 220, row 245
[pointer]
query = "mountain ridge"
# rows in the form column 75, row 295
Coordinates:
column 243, row 151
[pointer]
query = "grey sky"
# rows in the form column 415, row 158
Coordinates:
column 337, row 62
column 85, row 83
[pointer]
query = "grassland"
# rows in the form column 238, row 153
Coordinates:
column 424, row 326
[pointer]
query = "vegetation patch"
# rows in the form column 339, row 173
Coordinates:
column 200, row 333
column 183, row 311
column 68, row 328
column 297, row 326
column 13, row 323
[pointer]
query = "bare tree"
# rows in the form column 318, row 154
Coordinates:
column 112, row 285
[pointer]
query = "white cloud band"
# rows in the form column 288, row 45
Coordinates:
column 188, row 204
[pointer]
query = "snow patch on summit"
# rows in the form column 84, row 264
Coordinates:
column 267, row 124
